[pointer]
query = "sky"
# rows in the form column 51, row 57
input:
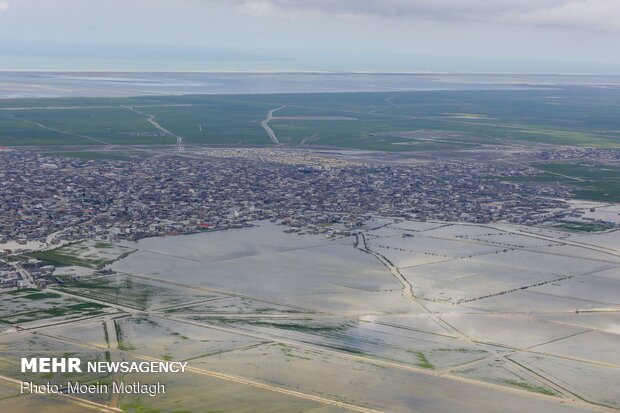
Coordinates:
column 514, row 36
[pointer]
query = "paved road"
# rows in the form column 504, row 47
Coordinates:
column 26, row 276
column 265, row 124
column 151, row 119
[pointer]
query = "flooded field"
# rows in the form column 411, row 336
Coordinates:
column 309, row 272
column 28, row 307
column 397, row 317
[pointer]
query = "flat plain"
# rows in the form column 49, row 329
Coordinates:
column 498, row 318
column 398, row 121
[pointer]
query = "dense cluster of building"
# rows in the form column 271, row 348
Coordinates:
column 278, row 155
column 570, row 153
column 53, row 199
column 9, row 276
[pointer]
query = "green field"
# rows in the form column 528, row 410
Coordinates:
column 90, row 126
column 573, row 116
column 88, row 254
column 575, row 226
column 592, row 182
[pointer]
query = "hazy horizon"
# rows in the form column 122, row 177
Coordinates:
column 447, row 36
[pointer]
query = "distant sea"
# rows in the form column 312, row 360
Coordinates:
column 107, row 84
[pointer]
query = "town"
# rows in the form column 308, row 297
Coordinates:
column 47, row 201
column 53, row 199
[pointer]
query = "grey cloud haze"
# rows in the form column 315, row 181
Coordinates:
column 586, row 14
column 568, row 36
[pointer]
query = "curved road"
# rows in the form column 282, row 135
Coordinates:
column 265, row 124
column 151, row 119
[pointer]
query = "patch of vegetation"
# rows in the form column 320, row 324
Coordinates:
column 103, row 245
column 41, row 296
column 83, row 254
column 123, row 291
column 289, row 325
column 530, row 387
column 312, row 328
column 59, row 258
column 138, row 408
column 422, row 360
column 344, row 349
column 579, row 226
column 82, row 309
column 22, row 306
column 120, row 338
column 288, row 352
column 106, row 334
column 21, row 291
